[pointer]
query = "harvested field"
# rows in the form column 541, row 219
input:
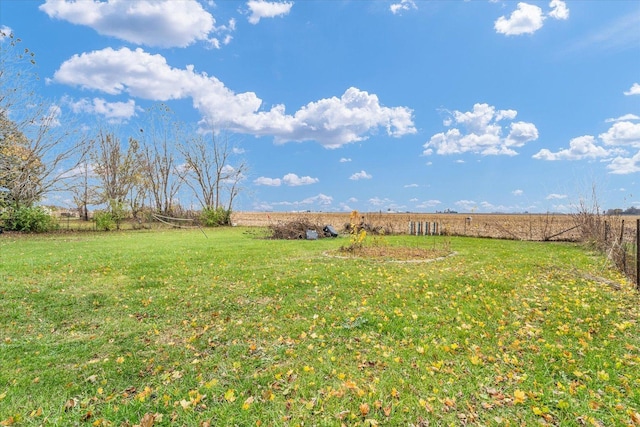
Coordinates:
column 535, row 227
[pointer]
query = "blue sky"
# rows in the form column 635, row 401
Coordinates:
column 402, row 105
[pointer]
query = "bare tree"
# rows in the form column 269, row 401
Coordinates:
column 159, row 166
column 208, row 171
column 116, row 167
column 36, row 151
column 84, row 191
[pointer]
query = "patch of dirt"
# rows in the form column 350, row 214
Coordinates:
column 393, row 253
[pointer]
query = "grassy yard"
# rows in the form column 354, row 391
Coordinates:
column 158, row 328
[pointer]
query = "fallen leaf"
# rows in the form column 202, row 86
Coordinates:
column 230, row 395
column 364, row 409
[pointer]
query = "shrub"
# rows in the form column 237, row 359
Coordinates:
column 217, row 217
column 33, row 219
column 104, row 221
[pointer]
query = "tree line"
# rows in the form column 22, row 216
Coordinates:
column 123, row 173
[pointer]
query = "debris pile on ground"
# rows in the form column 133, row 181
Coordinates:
column 299, row 229
column 369, row 228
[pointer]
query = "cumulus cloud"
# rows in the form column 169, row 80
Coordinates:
column 616, row 141
column 635, row 90
column 404, row 5
column 271, row 182
column 332, row 122
column 482, row 133
column 344, row 160
column 622, row 133
column 582, row 147
column 625, row 165
column 320, row 199
column 290, row 179
column 293, row 180
column 517, row 192
column 360, row 175
column 113, row 111
column 626, row 117
column 559, row 10
column 528, row 18
column 161, row 23
column 411, row 186
column 266, row 9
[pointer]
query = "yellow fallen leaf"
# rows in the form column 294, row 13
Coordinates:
column 247, row 403
column 230, row 395
column 519, row 397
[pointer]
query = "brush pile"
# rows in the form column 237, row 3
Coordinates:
column 295, row 229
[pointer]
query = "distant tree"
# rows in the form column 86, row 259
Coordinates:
column 160, row 169
column 209, row 172
column 116, row 168
column 84, row 190
column 36, row 151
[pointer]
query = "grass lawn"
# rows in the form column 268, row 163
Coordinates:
column 158, row 328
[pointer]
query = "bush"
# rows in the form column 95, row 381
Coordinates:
column 105, row 221
column 28, row 220
column 211, row 217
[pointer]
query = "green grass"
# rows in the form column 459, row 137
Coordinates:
column 106, row 329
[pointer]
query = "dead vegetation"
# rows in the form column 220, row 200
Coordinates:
column 295, row 229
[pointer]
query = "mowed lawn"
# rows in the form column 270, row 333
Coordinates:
column 158, row 328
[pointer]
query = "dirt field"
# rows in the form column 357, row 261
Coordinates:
column 508, row 226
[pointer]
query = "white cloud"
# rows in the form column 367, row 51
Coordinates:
column 376, row 201
column 428, row 204
column 332, row 122
column 396, row 8
column 559, row 10
column 554, row 196
column 293, row 180
column 290, row 179
column 526, row 19
column 360, row 175
column 625, row 165
column 635, row 90
column 265, row 9
column 83, row 169
column 482, row 133
column 517, row 192
column 113, row 111
column 320, row 199
column 625, row 118
column 622, row 134
column 272, row 182
column 582, row 147
column 411, row 186
column 344, row 160
column 163, row 23
column 466, row 205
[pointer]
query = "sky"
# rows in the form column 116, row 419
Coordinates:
column 370, row 105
